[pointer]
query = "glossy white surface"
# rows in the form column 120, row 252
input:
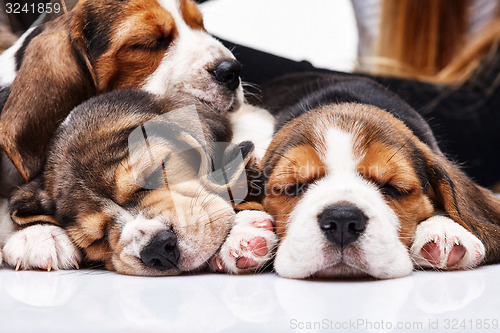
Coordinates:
column 99, row 301
column 322, row 32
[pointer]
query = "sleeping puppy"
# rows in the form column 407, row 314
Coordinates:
column 144, row 185
column 100, row 46
column 358, row 186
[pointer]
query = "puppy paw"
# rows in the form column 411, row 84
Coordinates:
column 249, row 246
column 43, row 247
column 1, row 259
column 440, row 242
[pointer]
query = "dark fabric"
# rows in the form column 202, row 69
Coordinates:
column 465, row 120
column 22, row 20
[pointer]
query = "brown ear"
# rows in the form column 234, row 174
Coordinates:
column 472, row 206
column 54, row 77
column 31, row 204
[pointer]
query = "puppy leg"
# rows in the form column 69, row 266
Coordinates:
column 251, row 123
column 249, row 246
column 440, row 242
column 41, row 247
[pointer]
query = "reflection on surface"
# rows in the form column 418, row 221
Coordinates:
column 41, row 289
column 451, row 292
column 85, row 300
column 342, row 302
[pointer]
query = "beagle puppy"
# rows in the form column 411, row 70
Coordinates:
column 358, row 186
column 100, row 46
column 145, row 185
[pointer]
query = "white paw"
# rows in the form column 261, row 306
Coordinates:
column 440, row 242
column 41, row 247
column 249, row 246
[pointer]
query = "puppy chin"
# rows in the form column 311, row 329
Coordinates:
column 340, row 271
column 351, row 263
column 132, row 266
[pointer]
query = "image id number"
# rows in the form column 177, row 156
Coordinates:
column 40, row 8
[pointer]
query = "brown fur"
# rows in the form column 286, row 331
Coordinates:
column 7, row 38
column 132, row 55
column 192, row 15
column 299, row 165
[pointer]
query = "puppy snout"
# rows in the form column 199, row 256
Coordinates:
column 342, row 224
column 161, row 253
column 227, row 73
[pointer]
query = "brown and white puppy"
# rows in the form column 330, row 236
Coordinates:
column 104, row 45
column 358, row 186
column 144, row 185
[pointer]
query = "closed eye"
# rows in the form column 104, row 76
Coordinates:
column 156, row 44
column 292, row 190
column 393, row 191
column 153, row 181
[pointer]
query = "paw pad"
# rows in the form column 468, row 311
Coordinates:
column 440, row 242
column 249, row 245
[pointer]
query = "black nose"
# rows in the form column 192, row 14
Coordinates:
column 161, row 253
column 227, row 72
column 342, row 224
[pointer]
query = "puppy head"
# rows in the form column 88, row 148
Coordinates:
column 148, row 197
column 348, row 184
column 158, row 45
column 99, row 46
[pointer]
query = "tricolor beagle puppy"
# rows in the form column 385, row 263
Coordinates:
column 104, row 45
column 143, row 185
column 358, row 186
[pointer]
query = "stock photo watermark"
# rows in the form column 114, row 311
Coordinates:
column 34, row 12
column 165, row 154
column 447, row 324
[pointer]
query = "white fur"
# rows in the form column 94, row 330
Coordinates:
column 253, row 124
column 244, row 230
column 138, row 232
column 6, row 224
column 186, row 64
column 305, row 250
column 446, row 233
column 41, row 246
column 339, row 156
column 8, row 61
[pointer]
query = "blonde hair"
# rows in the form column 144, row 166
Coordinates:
column 429, row 40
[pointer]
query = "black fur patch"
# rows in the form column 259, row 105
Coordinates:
column 4, row 95
column 20, row 53
column 97, row 24
column 295, row 94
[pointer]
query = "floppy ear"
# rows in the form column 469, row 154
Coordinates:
column 472, row 206
column 55, row 76
column 30, row 204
